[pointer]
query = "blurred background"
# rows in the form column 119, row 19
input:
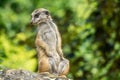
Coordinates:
column 90, row 31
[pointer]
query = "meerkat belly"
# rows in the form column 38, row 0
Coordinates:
column 50, row 38
column 56, row 57
column 48, row 35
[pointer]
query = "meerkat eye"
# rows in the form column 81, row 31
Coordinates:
column 36, row 15
column 47, row 12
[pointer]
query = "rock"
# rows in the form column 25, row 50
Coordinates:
column 12, row 74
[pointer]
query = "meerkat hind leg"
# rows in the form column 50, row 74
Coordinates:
column 53, row 66
column 63, row 67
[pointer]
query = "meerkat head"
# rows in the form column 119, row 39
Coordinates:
column 40, row 15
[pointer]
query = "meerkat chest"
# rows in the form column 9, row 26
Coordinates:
column 47, row 34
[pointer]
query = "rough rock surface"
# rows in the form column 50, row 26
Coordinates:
column 12, row 74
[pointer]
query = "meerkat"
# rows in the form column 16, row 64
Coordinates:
column 48, row 44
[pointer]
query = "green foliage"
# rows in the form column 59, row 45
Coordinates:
column 15, row 51
column 90, row 34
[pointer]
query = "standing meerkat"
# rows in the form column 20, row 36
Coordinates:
column 48, row 44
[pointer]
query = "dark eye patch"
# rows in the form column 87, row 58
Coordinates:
column 37, row 15
column 46, row 12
